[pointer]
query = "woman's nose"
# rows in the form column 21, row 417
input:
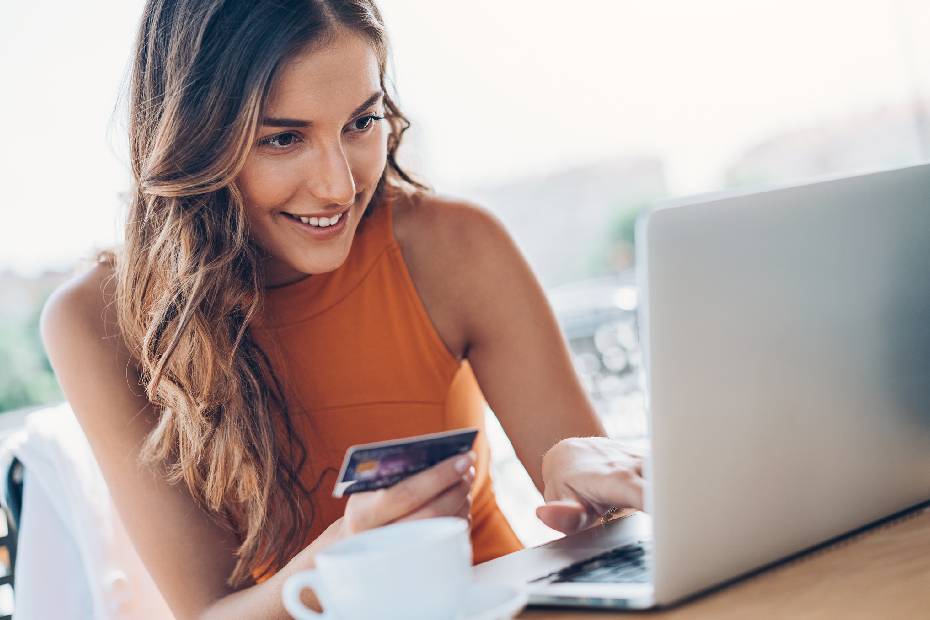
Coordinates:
column 330, row 179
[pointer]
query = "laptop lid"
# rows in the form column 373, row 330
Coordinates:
column 787, row 340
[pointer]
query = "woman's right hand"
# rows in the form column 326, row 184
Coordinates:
column 443, row 490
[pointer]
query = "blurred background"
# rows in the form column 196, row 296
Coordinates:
column 564, row 119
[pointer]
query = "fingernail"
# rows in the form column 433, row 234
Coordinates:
column 470, row 474
column 463, row 463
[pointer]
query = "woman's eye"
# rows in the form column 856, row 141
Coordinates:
column 365, row 122
column 281, row 140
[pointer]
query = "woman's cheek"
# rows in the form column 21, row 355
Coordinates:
column 369, row 159
column 267, row 184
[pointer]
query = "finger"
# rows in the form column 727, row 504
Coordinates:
column 636, row 492
column 465, row 511
column 415, row 492
column 565, row 516
column 637, row 452
column 449, row 503
column 622, row 488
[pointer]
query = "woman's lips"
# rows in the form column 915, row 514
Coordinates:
column 318, row 232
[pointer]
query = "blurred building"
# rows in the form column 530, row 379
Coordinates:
column 881, row 138
column 562, row 221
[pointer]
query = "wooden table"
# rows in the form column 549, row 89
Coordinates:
column 882, row 573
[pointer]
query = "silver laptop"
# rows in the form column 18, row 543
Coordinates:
column 787, row 342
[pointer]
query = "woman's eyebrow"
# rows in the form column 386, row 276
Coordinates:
column 293, row 122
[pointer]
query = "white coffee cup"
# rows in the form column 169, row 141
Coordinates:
column 413, row 570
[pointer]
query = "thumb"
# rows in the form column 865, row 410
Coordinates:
column 566, row 516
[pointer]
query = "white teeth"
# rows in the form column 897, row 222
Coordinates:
column 321, row 222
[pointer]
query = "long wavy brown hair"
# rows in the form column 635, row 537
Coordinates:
column 189, row 279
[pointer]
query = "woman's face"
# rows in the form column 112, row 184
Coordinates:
column 320, row 152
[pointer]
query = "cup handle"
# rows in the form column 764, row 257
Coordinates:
column 291, row 595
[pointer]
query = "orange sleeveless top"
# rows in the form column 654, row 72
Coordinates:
column 359, row 360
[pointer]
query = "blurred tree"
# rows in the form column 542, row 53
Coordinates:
column 26, row 377
column 616, row 253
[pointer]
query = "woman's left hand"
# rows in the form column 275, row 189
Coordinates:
column 585, row 477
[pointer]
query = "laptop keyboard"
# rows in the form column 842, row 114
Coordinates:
column 627, row 564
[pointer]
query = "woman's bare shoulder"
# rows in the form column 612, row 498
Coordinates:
column 444, row 225
column 454, row 251
column 85, row 301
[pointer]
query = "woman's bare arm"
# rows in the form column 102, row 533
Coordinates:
column 491, row 308
column 187, row 555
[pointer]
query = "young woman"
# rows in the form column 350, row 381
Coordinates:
column 285, row 290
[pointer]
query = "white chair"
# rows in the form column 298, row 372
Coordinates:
column 74, row 558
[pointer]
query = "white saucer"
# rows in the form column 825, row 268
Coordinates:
column 493, row 601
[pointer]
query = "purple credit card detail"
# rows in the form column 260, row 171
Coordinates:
column 385, row 463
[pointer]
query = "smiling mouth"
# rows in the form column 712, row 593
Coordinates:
column 316, row 221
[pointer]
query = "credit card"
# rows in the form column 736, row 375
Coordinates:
column 382, row 464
